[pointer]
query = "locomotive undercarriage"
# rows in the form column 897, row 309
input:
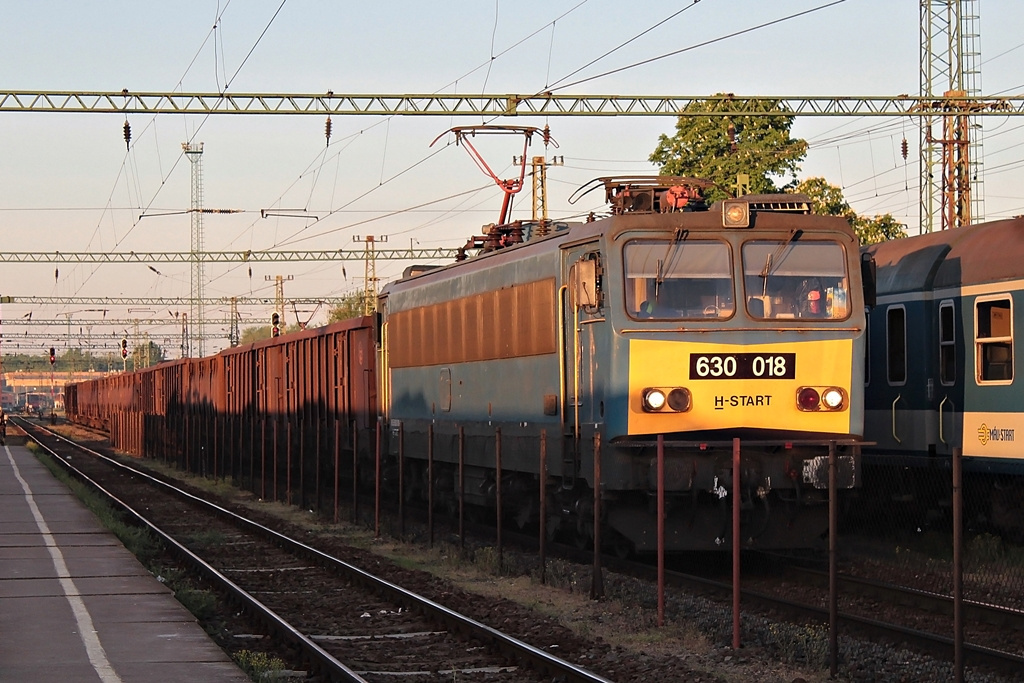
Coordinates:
column 783, row 493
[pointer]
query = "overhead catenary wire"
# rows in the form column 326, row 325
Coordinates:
column 338, row 213
column 181, row 156
column 563, row 86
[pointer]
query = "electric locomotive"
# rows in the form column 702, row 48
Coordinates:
column 667, row 317
column 942, row 371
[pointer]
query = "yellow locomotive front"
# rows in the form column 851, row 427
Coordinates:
column 742, row 321
column 781, row 364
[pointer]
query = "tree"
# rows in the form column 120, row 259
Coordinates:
column 719, row 148
column 352, row 306
column 881, row 228
column 254, row 334
column 142, row 360
column 827, row 199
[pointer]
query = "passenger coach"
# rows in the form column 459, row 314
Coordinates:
column 942, row 369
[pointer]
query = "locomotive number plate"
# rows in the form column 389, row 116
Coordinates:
column 742, row 365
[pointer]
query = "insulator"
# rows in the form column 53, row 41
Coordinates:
column 127, row 134
column 903, row 149
column 547, row 136
column 327, row 130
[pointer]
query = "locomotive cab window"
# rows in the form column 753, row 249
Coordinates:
column 794, row 279
column 994, row 339
column 676, row 279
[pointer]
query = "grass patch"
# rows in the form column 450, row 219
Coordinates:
column 798, row 644
column 138, row 540
column 201, row 603
column 205, row 539
column 258, row 665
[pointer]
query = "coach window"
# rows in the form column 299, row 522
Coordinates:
column 947, row 344
column 994, row 339
column 678, row 279
column 896, row 344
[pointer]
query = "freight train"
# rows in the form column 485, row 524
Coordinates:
column 941, row 372
column 668, row 319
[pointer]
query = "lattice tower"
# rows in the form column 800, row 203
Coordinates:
column 194, row 152
column 951, row 146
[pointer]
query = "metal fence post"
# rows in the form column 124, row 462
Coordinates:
column 958, row 566
column 401, row 480
column 833, row 586
column 497, row 490
column 337, row 458
column 430, row 484
column 542, row 534
column 355, row 473
column 736, row 543
column 661, row 530
column 462, row 489
column 376, row 482
column 597, row 581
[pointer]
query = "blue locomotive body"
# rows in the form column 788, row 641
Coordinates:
column 564, row 339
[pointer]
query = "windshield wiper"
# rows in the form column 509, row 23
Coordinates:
column 772, row 259
column 678, row 237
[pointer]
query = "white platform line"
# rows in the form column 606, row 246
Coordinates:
column 93, row 647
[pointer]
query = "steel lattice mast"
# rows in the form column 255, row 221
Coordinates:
column 951, row 143
column 194, row 152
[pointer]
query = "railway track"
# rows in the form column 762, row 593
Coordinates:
column 344, row 622
column 876, row 610
column 873, row 610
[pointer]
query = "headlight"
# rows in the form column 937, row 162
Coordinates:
column 812, row 399
column 666, row 400
column 653, row 399
column 735, row 214
column 679, row 399
column 833, row 398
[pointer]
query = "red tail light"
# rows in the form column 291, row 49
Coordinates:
column 808, row 399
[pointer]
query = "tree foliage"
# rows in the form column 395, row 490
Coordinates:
column 720, row 148
column 761, row 147
column 254, row 334
column 827, row 199
column 352, row 306
column 71, row 360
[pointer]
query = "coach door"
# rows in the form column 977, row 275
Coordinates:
column 580, row 312
column 950, row 394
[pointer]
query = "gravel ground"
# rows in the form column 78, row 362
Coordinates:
column 625, row 643
column 618, row 636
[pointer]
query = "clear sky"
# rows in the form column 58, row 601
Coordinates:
column 67, row 182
